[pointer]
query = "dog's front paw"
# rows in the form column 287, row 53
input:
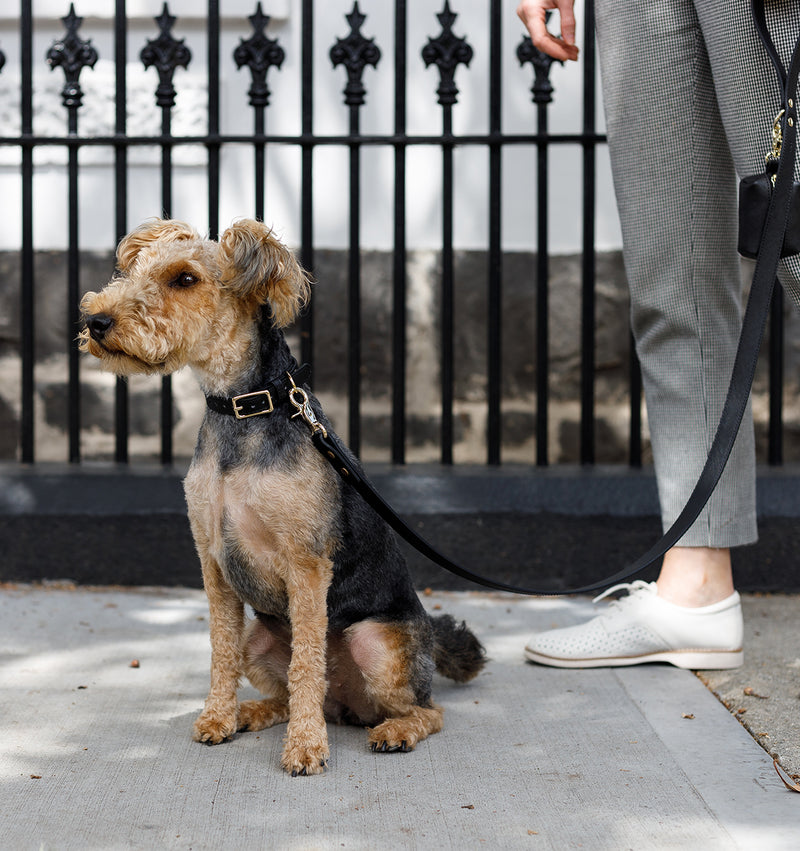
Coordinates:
column 213, row 727
column 304, row 757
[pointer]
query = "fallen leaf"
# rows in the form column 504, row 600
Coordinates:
column 134, row 663
column 750, row 692
column 788, row 781
column 468, row 806
column 36, row 776
column 687, row 715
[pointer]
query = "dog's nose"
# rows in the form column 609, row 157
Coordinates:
column 99, row 324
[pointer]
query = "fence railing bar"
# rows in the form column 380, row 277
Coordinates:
column 399, row 290
column 72, row 53
column 307, row 174
column 447, row 290
column 447, row 51
column 354, row 293
column 121, row 396
column 167, row 54
column 260, row 163
column 212, row 26
column 495, row 254
column 587, row 438
column 27, row 312
column 542, row 291
column 542, row 92
column 73, row 316
column 635, row 394
column 776, row 348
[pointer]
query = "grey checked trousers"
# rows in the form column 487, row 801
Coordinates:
column 690, row 97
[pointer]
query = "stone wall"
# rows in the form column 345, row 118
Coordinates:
column 330, row 379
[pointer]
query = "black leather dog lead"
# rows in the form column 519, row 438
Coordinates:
column 738, row 391
column 735, row 404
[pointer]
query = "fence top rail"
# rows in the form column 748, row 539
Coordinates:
column 390, row 139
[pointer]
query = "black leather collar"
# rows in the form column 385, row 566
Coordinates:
column 262, row 401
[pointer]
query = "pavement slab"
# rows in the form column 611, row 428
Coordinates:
column 97, row 752
column 764, row 694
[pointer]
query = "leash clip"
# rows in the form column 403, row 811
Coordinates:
column 773, row 157
column 299, row 398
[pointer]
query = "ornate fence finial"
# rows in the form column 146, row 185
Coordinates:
column 542, row 88
column 73, row 54
column 447, row 51
column 259, row 53
column 167, row 54
column 355, row 52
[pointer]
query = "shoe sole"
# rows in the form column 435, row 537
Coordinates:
column 696, row 660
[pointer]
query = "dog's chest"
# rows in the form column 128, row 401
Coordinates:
column 260, row 523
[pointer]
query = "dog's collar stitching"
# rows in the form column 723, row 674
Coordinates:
column 262, row 401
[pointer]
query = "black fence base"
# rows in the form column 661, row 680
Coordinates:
column 554, row 528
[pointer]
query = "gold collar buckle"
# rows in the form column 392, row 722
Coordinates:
column 239, row 410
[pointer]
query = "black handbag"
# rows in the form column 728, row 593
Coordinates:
column 754, row 197
column 755, row 191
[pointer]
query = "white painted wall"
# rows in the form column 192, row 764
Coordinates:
column 283, row 116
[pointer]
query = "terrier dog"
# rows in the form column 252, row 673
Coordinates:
column 339, row 632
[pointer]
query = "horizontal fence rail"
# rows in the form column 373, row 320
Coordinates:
column 351, row 56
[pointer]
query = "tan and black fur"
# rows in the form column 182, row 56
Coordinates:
column 339, row 632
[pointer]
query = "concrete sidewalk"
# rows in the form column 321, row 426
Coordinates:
column 97, row 754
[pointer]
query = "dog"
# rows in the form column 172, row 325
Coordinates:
column 339, row 632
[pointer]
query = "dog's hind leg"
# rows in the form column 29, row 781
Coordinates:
column 397, row 666
column 306, row 747
column 265, row 659
column 403, row 731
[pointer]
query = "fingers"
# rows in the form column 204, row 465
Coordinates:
column 533, row 13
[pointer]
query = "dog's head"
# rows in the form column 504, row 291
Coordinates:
column 179, row 299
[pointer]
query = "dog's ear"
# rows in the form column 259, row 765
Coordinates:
column 164, row 230
column 256, row 265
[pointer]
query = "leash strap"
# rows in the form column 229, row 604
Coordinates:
column 741, row 381
column 332, row 449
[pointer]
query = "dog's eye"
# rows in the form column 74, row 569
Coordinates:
column 185, row 279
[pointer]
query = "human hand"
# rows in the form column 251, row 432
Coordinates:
column 533, row 14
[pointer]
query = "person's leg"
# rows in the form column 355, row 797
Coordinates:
column 695, row 576
column 676, row 193
column 746, row 90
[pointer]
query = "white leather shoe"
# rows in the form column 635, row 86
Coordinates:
column 642, row 627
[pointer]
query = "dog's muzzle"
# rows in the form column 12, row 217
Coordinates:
column 99, row 324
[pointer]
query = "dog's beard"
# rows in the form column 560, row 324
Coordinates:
column 120, row 362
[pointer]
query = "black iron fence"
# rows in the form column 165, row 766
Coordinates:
column 263, row 56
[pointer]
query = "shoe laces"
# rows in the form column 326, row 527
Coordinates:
column 631, row 587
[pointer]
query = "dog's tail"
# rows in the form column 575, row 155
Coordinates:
column 457, row 653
